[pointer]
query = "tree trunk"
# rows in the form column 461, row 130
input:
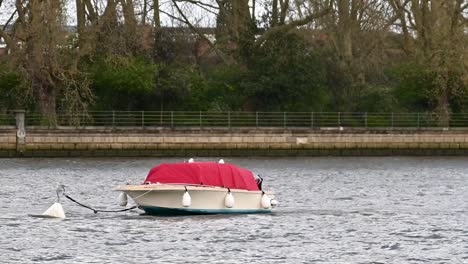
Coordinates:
column 46, row 99
column 274, row 13
column 45, row 35
column 284, row 4
column 443, row 106
column 344, row 31
column 157, row 20
column 144, row 12
column 129, row 15
column 81, row 22
column 234, row 27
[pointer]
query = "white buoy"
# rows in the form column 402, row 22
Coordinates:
column 123, row 199
column 186, row 199
column 229, row 200
column 266, row 202
column 221, row 161
column 55, row 211
column 191, row 160
column 273, row 202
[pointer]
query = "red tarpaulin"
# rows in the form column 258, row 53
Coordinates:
column 204, row 173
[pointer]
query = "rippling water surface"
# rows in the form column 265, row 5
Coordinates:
column 332, row 210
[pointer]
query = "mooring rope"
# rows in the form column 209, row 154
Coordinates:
column 143, row 194
column 98, row 210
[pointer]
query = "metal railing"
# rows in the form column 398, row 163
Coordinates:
column 7, row 120
column 201, row 119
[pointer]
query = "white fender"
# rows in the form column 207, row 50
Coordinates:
column 123, row 199
column 266, row 202
column 55, row 211
column 221, row 161
column 186, row 199
column 191, row 160
column 229, row 200
column 273, row 202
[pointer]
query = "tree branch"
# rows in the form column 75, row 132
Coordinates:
column 9, row 20
column 199, row 3
column 291, row 25
column 194, row 29
column 463, row 7
column 203, row 6
column 8, row 40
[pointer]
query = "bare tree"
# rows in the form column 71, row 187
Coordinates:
column 435, row 33
column 236, row 29
column 40, row 48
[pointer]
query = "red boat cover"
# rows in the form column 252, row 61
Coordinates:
column 204, row 173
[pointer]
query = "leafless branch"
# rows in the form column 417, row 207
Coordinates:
column 194, row 29
column 463, row 7
column 203, row 6
column 291, row 25
column 9, row 20
column 199, row 3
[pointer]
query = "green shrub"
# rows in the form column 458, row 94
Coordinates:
column 15, row 91
column 122, row 83
column 413, row 84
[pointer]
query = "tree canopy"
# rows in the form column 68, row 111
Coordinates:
column 247, row 55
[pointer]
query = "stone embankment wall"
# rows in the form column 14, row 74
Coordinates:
column 7, row 142
column 236, row 142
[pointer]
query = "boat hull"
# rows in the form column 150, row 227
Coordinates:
column 166, row 199
column 155, row 210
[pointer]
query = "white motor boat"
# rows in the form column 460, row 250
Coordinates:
column 200, row 188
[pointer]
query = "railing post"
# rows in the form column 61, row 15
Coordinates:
column 365, row 119
column 284, row 120
column 113, row 119
column 418, row 120
column 339, row 119
column 229, row 119
column 392, row 120
column 311, row 119
column 142, row 119
column 200, row 120
column 451, row 117
column 172, row 119
column 256, row 119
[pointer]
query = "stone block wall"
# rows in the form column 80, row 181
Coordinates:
column 7, row 143
column 239, row 142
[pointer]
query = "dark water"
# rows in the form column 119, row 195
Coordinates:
column 332, row 210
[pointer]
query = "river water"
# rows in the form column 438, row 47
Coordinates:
column 332, row 210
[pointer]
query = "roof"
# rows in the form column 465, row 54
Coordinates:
column 203, row 173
